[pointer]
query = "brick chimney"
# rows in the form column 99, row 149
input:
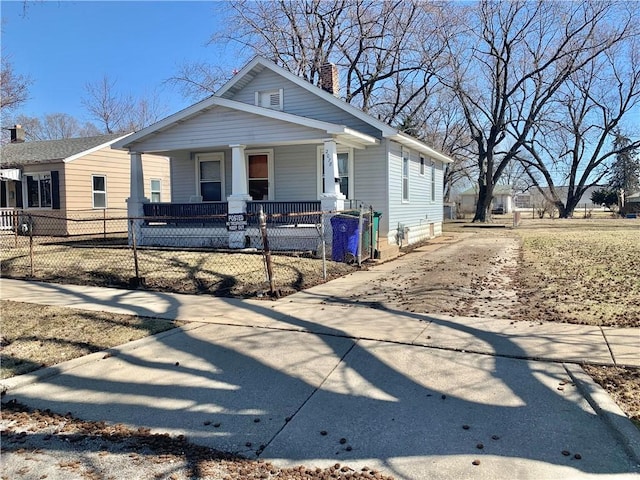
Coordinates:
column 329, row 79
column 17, row 134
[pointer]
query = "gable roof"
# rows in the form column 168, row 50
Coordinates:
column 44, row 151
column 248, row 73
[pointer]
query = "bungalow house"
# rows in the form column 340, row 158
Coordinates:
column 270, row 139
column 502, row 199
column 54, row 184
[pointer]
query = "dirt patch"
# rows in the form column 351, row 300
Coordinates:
column 623, row 384
column 95, row 450
column 36, row 336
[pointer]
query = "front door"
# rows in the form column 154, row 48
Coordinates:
column 259, row 167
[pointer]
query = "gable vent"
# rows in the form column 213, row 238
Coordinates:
column 270, row 99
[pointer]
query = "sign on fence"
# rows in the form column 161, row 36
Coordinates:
column 236, row 221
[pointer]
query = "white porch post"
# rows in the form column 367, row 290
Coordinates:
column 239, row 196
column 136, row 199
column 331, row 198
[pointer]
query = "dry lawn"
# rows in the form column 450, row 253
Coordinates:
column 35, row 336
column 581, row 271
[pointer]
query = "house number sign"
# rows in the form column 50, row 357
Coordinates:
column 236, row 221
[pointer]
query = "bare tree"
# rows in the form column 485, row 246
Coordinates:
column 54, row 126
column 197, row 80
column 507, row 61
column 576, row 143
column 387, row 52
column 14, row 88
column 118, row 112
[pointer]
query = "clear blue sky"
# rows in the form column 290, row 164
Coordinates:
column 62, row 45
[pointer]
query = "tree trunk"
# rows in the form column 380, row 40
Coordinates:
column 483, row 205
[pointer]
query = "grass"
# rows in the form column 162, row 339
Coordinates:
column 35, row 336
column 581, row 271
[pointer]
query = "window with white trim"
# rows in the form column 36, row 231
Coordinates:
column 422, row 161
column 433, row 181
column 345, row 171
column 99, row 191
column 270, row 99
column 38, row 186
column 405, row 175
column 156, row 190
column 211, row 176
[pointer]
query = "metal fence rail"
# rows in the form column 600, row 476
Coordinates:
column 286, row 252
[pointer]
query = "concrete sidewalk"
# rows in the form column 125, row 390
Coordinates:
column 315, row 311
column 398, row 387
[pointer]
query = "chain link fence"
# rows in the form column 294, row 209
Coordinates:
column 253, row 254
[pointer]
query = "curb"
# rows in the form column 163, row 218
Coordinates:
column 623, row 429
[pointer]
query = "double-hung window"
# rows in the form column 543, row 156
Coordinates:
column 405, row 175
column 156, row 190
column 99, row 191
column 38, row 190
column 433, row 181
column 211, row 177
column 345, row 171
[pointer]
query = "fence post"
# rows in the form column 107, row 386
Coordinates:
column 267, row 252
column 30, row 227
column 372, row 250
column 323, row 248
column 16, row 219
column 136, row 281
column 104, row 224
column 360, row 234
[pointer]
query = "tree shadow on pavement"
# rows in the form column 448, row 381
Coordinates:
column 285, row 392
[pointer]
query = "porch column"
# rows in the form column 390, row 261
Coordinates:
column 136, row 199
column 331, row 198
column 239, row 196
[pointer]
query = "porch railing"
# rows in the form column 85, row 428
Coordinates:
column 210, row 213
column 288, row 213
column 8, row 218
column 214, row 213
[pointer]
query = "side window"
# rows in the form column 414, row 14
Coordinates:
column 433, row 181
column 99, row 190
column 405, row 175
column 156, row 190
column 421, row 165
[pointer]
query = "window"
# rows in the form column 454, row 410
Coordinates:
column 259, row 176
column 38, row 190
column 99, row 191
column 270, row 99
column 211, row 176
column 421, row 165
column 345, row 171
column 156, row 190
column 405, row 175
column 433, row 181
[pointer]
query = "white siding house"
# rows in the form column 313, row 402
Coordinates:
column 269, row 136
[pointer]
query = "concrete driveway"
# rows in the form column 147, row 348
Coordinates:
column 298, row 382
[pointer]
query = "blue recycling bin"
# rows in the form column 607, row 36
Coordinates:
column 345, row 238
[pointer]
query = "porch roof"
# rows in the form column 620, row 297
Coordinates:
column 340, row 133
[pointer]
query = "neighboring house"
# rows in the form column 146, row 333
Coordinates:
column 267, row 138
column 55, row 182
column 633, row 203
column 502, row 199
column 534, row 199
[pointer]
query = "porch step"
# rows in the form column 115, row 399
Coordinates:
column 387, row 251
